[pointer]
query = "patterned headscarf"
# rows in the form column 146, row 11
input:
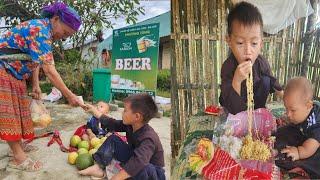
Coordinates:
column 67, row 15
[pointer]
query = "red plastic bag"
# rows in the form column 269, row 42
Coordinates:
column 80, row 131
column 222, row 166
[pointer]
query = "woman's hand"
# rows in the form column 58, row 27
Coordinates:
column 75, row 100
column 36, row 92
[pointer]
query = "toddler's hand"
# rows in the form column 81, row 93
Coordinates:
column 292, row 152
column 93, row 110
column 89, row 108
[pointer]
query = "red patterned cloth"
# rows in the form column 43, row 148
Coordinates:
column 15, row 115
column 222, row 166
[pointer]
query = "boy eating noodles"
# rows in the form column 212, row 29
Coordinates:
column 245, row 41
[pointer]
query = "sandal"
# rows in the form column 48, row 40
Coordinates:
column 26, row 148
column 28, row 165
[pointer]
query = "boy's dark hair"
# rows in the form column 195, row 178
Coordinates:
column 144, row 104
column 246, row 14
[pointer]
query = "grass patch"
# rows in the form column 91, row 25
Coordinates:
column 167, row 113
column 162, row 93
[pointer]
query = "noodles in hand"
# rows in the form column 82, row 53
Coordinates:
column 252, row 149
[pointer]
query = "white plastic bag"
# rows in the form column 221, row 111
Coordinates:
column 39, row 114
column 113, row 168
column 55, row 95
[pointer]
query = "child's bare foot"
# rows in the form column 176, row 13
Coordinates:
column 94, row 170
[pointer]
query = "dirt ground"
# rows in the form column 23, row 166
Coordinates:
column 66, row 119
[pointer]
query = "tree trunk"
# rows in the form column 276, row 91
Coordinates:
column 308, row 39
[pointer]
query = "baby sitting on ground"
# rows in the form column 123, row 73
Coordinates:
column 93, row 128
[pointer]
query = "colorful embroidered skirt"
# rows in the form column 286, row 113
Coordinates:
column 15, row 115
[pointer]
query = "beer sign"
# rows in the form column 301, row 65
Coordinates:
column 135, row 59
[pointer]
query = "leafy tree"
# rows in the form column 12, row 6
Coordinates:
column 95, row 14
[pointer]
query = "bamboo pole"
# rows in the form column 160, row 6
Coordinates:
column 190, row 64
column 176, row 69
column 205, row 52
column 312, row 20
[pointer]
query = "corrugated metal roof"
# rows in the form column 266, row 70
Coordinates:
column 165, row 28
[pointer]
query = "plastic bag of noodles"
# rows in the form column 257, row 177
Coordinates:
column 262, row 126
column 231, row 137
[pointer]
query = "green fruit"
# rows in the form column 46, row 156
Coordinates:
column 84, row 144
column 82, row 151
column 84, row 161
column 74, row 141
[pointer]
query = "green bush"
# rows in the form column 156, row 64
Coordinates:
column 164, row 80
column 45, row 87
column 167, row 113
column 71, row 56
column 77, row 74
column 162, row 93
column 119, row 96
column 79, row 82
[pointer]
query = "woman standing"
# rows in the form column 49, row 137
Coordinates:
column 34, row 38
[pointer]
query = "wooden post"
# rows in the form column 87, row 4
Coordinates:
column 175, row 64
